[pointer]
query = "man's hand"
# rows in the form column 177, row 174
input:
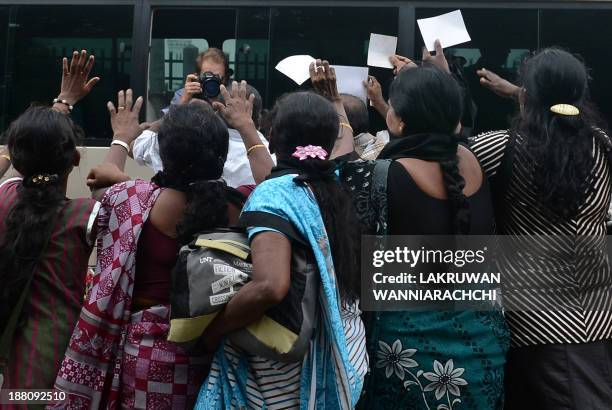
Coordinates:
column 439, row 60
column 237, row 108
column 75, row 83
column 497, row 84
column 124, row 118
column 192, row 88
column 105, row 175
column 400, row 62
column 323, row 78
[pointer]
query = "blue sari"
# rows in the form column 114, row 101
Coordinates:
column 331, row 374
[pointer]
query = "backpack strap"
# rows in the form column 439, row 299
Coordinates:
column 378, row 194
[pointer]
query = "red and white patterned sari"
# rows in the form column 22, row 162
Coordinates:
column 116, row 358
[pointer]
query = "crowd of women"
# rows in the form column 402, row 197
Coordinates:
column 105, row 344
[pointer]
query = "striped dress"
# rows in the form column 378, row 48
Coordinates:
column 576, row 287
column 56, row 293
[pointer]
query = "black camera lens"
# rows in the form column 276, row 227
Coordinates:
column 211, row 88
column 211, row 84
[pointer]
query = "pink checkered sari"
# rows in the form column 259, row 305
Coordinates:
column 117, row 358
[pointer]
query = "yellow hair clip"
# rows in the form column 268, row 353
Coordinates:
column 565, row 109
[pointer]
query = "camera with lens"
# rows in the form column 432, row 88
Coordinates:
column 211, row 84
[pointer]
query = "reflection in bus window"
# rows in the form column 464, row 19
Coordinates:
column 338, row 34
column 43, row 35
column 175, row 48
column 499, row 43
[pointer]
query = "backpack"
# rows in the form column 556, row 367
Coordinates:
column 213, row 268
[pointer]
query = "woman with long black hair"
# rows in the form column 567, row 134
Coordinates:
column 301, row 204
column 426, row 183
column 551, row 176
column 45, row 238
column 119, row 355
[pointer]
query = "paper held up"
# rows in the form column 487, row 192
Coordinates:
column 296, row 67
column 349, row 80
column 449, row 28
column 381, row 47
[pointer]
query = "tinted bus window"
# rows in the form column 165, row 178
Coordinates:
column 501, row 39
column 256, row 39
column 178, row 36
column 586, row 33
column 241, row 33
column 43, row 35
column 339, row 35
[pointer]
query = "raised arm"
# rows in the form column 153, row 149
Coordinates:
column 497, row 84
column 375, row 95
column 237, row 110
column 124, row 121
column 76, row 83
column 323, row 78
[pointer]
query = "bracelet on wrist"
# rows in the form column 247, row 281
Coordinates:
column 121, row 144
column 347, row 126
column 66, row 103
column 6, row 157
column 254, row 147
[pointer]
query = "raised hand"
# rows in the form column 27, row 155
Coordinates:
column 374, row 90
column 399, row 62
column 439, row 60
column 323, row 78
column 497, row 84
column 75, row 83
column 124, row 118
column 237, row 107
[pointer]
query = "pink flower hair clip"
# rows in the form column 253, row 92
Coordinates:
column 309, row 151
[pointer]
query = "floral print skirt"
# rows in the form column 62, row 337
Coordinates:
column 436, row 361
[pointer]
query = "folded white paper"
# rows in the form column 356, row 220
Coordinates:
column 349, row 80
column 449, row 28
column 381, row 47
column 296, row 67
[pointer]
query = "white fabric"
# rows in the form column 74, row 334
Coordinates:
column 383, row 135
column 236, row 171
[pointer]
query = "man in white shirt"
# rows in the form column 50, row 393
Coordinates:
column 237, row 170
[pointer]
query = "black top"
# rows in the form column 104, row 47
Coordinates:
column 413, row 212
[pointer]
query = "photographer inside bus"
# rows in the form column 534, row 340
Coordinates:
column 213, row 70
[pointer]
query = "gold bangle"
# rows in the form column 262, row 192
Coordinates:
column 346, row 125
column 255, row 146
column 6, row 157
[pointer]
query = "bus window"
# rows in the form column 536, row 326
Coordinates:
column 178, row 36
column 42, row 35
column 501, row 39
column 586, row 33
column 338, row 34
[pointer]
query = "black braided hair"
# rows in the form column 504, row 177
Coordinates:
column 305, row 118
column 43, row 148
column 193, row 144
column 429, row 100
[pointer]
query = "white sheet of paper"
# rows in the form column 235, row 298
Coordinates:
column 349, row 80
column 381, row 47
column 449, row 28
column 296, row 67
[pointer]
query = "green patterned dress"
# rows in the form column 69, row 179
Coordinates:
column 442, row 360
